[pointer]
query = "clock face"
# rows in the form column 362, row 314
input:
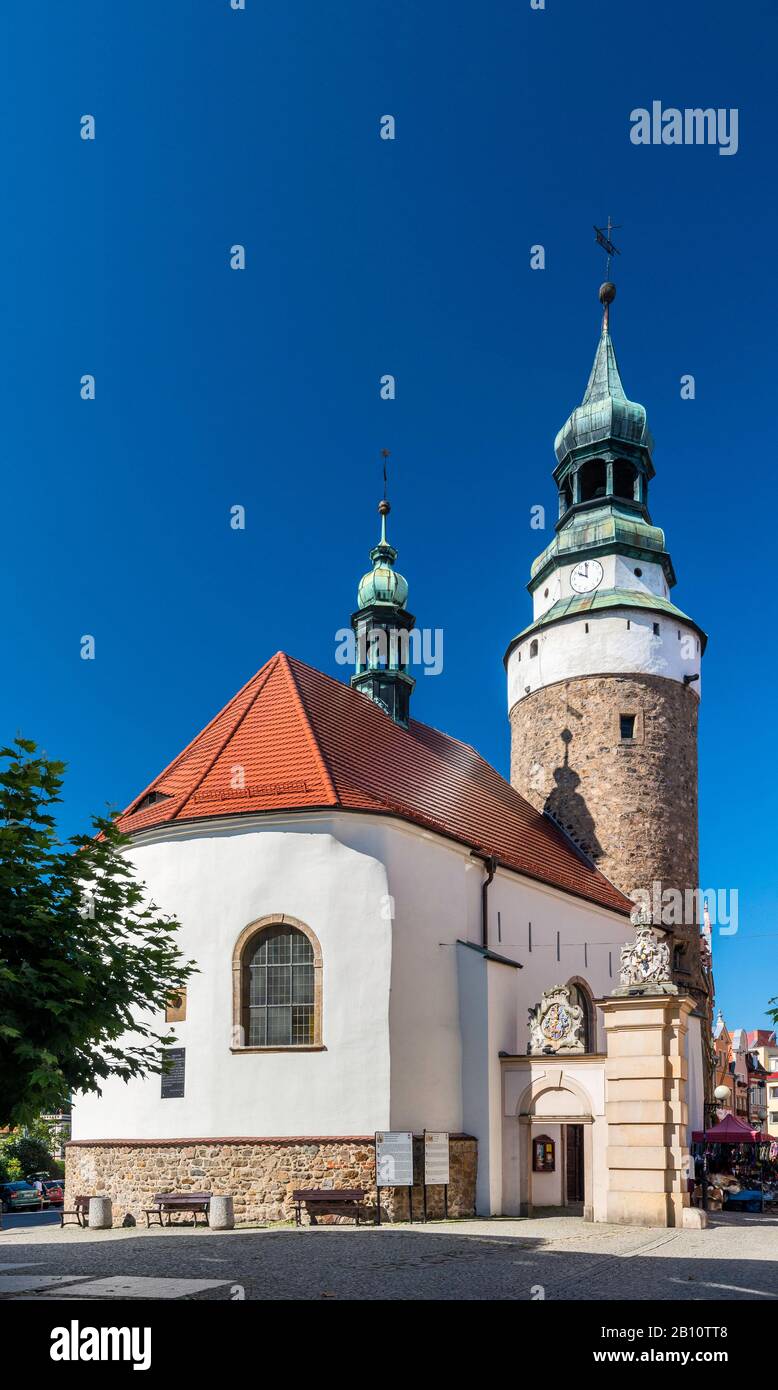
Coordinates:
column 586, row 577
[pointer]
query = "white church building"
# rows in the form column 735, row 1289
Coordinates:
column 391, row 937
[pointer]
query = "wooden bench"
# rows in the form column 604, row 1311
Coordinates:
column 169, row 1202
column 80, row 1211
column 313, row 1198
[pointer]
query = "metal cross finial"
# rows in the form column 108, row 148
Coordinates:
column 603, row 239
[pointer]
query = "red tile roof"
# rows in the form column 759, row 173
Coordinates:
column 305, row 740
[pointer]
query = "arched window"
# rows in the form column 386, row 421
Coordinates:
column 592, row 479
column 277, row 986
column 579, row 994
column 533, row 647
column 624, row 479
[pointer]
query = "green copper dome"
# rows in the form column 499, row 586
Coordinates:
column 604, row 413
column 383, row 584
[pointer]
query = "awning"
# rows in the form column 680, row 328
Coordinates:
column 730, row 1130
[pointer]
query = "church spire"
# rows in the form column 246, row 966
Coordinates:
column 382, row 626
column 604, row 447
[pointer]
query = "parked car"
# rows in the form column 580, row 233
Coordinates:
column 53, row 1191
column 19, row 1196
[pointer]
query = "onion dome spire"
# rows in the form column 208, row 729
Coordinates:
column 382, row 626
column 382, row 584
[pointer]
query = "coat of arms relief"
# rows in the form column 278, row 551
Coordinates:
column 556, row 1024
column 645, row 962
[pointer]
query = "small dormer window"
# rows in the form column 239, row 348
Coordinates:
column 150, row 800
column 533, row 647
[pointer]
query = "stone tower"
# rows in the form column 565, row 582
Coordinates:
column 604, row 684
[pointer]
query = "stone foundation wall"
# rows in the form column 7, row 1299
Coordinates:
column 260, row 1174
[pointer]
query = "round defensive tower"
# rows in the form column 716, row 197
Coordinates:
column 604, row 684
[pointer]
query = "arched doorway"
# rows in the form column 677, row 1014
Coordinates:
column 555, row 1147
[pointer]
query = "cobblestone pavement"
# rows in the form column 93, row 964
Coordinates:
column 566, row 1258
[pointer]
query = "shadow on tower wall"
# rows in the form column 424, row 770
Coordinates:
column 567, row 807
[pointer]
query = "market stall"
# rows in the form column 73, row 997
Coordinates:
column 734, row 1167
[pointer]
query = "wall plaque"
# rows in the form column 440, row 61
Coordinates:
column 173, row 1079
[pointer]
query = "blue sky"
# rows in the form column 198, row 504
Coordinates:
column 364, row 257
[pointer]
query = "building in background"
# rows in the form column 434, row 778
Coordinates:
column 764, row 1045
column 747, row 1065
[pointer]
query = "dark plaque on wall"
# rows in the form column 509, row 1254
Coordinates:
column 173, row 1078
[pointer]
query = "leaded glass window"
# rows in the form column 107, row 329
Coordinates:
column 280, row 989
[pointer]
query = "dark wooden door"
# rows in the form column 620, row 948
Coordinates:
column 574, row 1162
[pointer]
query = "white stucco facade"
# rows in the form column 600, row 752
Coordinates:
column 610, row 641
column 414, row 1016
column 618, row 572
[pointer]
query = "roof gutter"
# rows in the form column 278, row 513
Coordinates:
column 490, row 864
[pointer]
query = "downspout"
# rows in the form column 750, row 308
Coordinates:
column 490, row 864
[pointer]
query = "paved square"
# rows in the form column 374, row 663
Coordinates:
column 140, row 1286
column 551, row 1257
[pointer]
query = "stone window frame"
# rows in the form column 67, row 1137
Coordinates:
column 637, row 734
column 240, row 977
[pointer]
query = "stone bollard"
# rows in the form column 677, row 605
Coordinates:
column 221, row 1216
column 694, row 1219
column 100, row 1213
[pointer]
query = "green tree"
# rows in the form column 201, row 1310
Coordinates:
column 773, row 1013
column 86, row 961
column 32, row 1154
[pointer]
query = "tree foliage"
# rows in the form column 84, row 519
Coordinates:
column 87, row 962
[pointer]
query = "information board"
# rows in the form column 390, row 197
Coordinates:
column 394, row 1158
column 173, row 1078
column 435, row 1158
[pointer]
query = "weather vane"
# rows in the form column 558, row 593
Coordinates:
column 384, row 455
column 603, row 238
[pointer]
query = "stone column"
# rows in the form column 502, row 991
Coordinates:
column 645, row 1106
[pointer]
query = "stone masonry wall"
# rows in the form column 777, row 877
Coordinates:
column 631, row 805
column 260, row 1174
